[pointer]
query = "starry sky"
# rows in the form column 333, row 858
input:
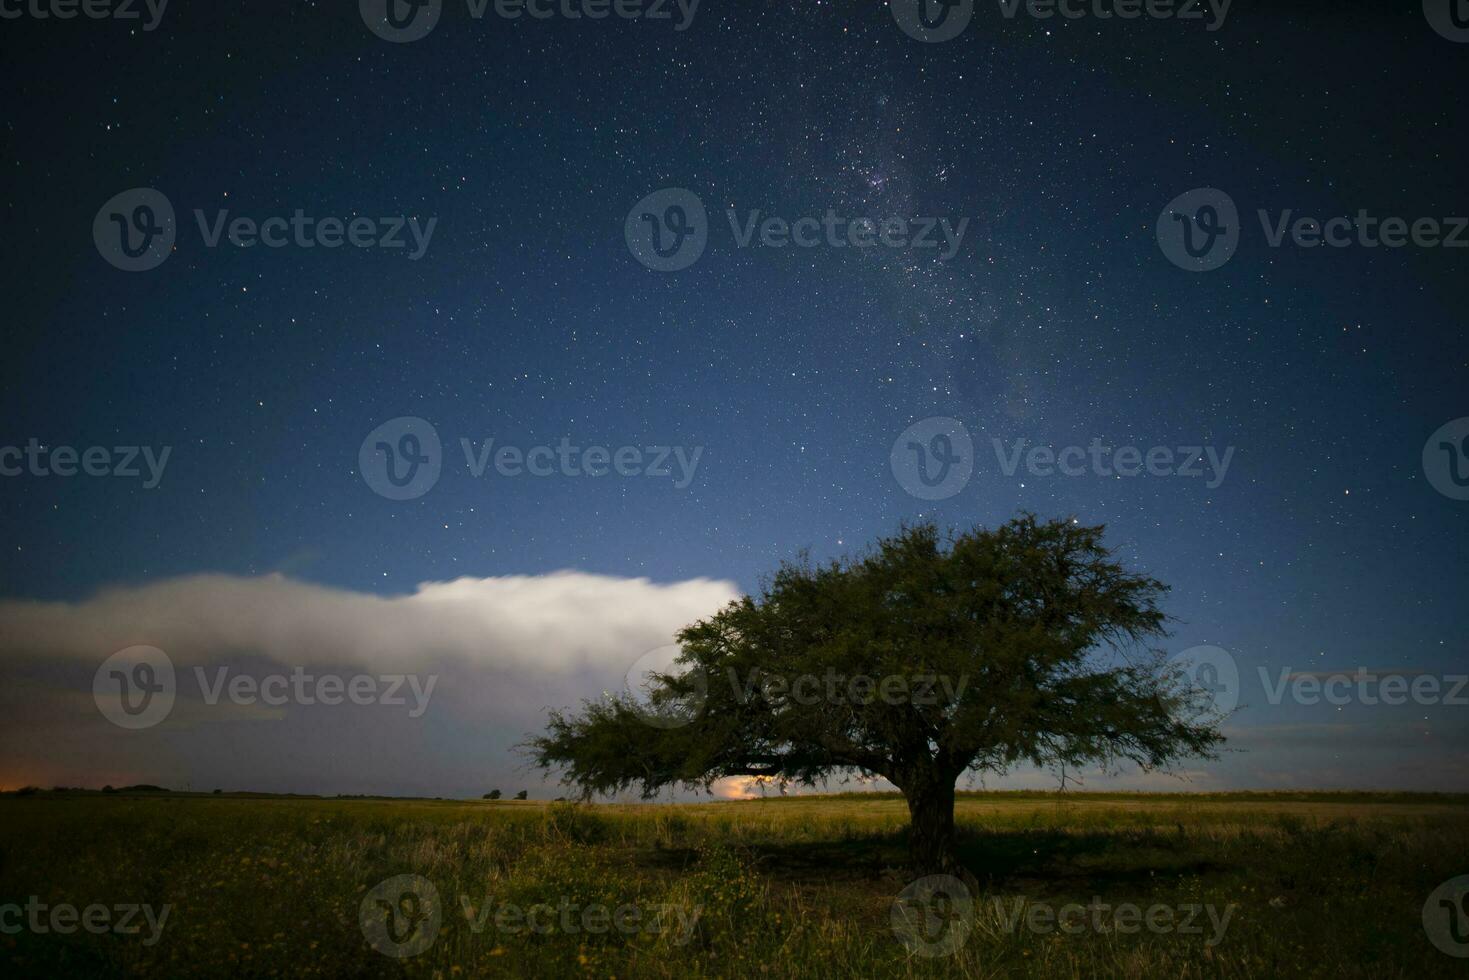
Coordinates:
column 528, row 319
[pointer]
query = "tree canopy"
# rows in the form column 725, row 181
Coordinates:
column 927, row 657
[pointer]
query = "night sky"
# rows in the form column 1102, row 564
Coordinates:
column 527, row 319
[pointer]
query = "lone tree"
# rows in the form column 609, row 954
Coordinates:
column 931, row 656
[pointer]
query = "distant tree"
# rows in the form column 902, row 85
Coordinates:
column 1036, row 636
column 521, row 795
column 108, row 789
column 493, row 794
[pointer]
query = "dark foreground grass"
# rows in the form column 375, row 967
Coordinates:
column 1284, row 885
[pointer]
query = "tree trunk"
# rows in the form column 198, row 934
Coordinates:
column 931, row 833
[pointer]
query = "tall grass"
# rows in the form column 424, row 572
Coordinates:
column 1320, row 885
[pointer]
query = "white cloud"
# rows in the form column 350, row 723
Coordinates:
column 502, row 650
column 549, row 624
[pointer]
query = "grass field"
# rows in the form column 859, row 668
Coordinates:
column 1240, row 885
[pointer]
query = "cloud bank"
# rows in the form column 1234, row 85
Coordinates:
column 502, row 651
column 558, row 623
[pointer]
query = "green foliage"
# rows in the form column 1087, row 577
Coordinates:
column 569, row 823
column 1025, row 643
